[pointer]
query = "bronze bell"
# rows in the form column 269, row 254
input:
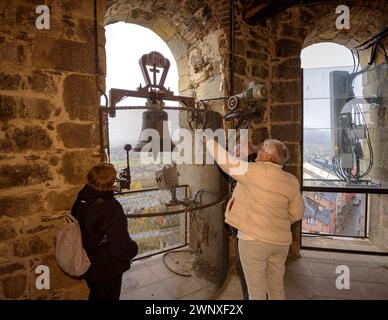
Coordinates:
column 153, row 119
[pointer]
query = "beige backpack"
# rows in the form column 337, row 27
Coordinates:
column 69, row 252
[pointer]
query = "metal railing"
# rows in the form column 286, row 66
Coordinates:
column 167, row 228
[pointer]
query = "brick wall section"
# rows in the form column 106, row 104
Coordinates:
column 48, row 139
column 193, row 19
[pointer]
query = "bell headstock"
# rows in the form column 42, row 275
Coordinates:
column 154, row 60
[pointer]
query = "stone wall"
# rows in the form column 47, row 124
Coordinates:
column 49, row 118
column 49, row 136
column 378, row 131
column 270, row 53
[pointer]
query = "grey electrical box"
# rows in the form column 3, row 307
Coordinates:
column 346, row 160
column 167, row 178
column 339, row 93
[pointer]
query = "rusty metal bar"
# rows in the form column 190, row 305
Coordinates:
column 149, row 189
column 159, row 252
column 146, row 108
column 168, row 213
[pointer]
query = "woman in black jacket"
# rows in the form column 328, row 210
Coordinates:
column 104, row 232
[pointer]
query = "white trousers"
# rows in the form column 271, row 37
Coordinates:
column 263, row 265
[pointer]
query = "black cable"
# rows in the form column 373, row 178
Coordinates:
column 358, row 61
column 372, row 57
column 340, row 170
column 97, row 72
column 373, row 42
column 385, row 52
column 335, row 168
column 354, row 75
column 356, row 147
column 368, row 142
column 347, row 173
column 172, row 270
column 377, row 37
column 354, row 61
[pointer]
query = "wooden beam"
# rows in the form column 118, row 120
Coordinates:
column 258, row 11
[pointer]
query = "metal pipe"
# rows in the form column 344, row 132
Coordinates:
column 310, row 234
column 150, row 189
column 101, row 134
column 231, row 46
column 107, row 109
column 186, row 212
column 346, row 189
column 200, row 191
column 374, row 253
column 107, row 138
column 366, row 211
column 213, row 99
column 169, row 213
column 159, row 252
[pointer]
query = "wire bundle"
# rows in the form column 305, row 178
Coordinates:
column 357, row 114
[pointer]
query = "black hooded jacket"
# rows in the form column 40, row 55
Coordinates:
column 104, row 232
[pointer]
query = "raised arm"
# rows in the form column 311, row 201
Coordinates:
column 231, row 165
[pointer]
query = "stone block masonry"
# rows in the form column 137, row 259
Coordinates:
column 49, row 121
column 49, row 136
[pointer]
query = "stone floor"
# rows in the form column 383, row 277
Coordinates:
column 312, row 276
column 150, row 279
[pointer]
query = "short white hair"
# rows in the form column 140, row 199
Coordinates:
column 277, row 150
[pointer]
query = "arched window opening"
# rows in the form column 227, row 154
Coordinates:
column 125, row 45
column 341, row 98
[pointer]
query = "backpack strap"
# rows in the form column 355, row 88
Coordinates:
column 69, row 218
column 86, row 204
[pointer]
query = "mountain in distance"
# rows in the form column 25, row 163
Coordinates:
column 316, row 137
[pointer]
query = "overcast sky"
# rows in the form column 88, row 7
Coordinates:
column 318, row 61
column 125, row 44
column 326, row 54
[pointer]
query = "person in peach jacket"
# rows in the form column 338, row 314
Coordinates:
column 264, row 204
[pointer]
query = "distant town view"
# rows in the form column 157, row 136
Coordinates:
column 341, row 214
column 153, row 234
column 159, row 233
column 328, row 213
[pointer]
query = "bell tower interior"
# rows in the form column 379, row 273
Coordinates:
column 237, row 66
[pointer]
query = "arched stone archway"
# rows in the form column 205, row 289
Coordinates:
column 193, row 34
column 199, row 48
column 366, row 20
column 270, row 51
